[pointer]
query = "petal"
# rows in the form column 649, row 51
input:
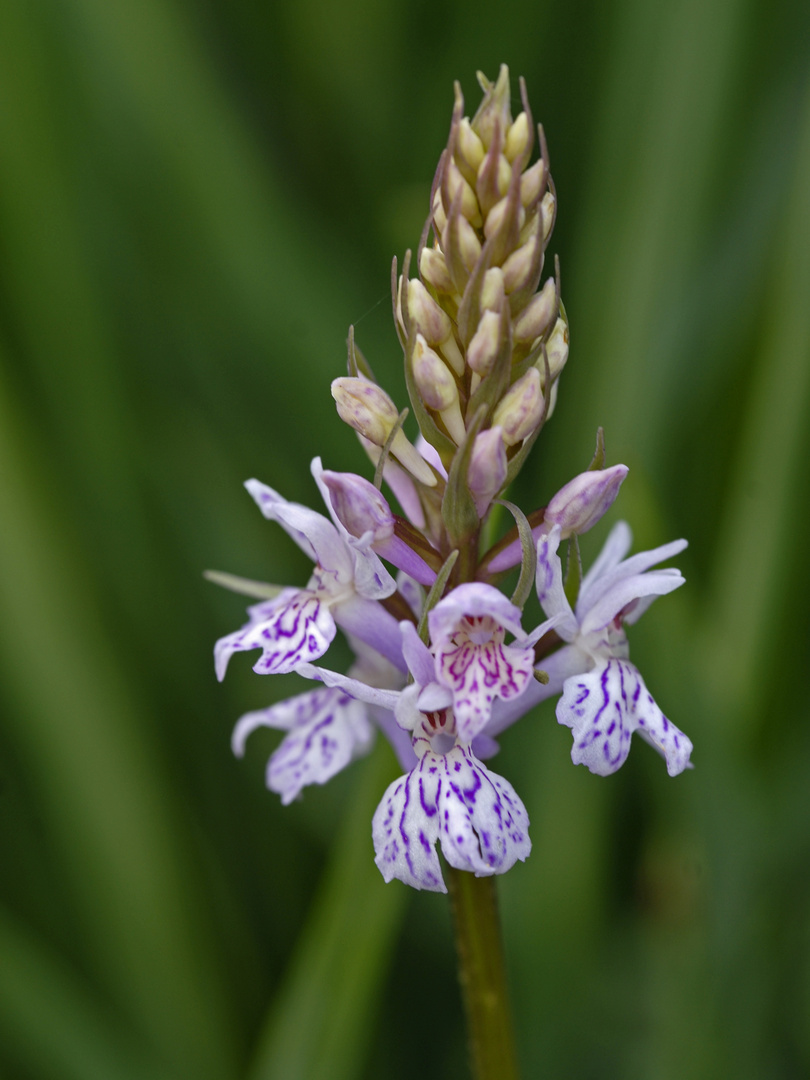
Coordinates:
column 625, row 591
column 560, row 666
column 294, row 628
column 327, row 729
column 369, row 622
column 613, row 551
column 550, row 589
column 480, row 821
column 356, row 688
column 600, row 579
column 479, row 674
column 604, row 707
column 472, row 600
column 418, row 656
column 315, row 535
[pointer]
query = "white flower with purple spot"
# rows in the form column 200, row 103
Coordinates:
column 467, row 632
column 604, row 697
column 452, row 798
column 298, row 625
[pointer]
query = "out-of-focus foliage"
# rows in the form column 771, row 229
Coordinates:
column 196, row 199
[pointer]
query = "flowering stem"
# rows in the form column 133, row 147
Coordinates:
column 482, row 974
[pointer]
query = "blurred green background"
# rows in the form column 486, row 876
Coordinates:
column 196, row 199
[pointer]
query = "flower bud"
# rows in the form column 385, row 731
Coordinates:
column 370, row 411
column 547, row 209
column 469, row 243
column 426, row 315
column 536, row 317
column 358, row 505
column 524, row 266
column 557, row 348
column 496, row 217
column 520, row 410
column 492, row 291
column 469, row 203
column 503, row 175
column 584, row 500
column 487, row 472
column 494, row 109
column 433, row 268
column 469, row 146
column 437, row 387
column 483, row 347
column 531, row 183
column 439, row 216
column 517, row 138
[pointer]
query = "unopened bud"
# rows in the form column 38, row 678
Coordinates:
column 434, row 270
column 494, row 110
column 370, row 411
column 469, row 203
column 557, row 348
column 517, row 138
column 497, row 214
column 503, row 175
column 492, row 291
column 523, row 265
column 531, row 183
column 483, row 347
column 487, row 472
column 426, row 315
column 536, row 317
column 439, row 216
column 437, row 387
column 547, row 209
column 584, row 500
column 469, row 243
column 469, row 145
column 358, row 505
column 520, row 410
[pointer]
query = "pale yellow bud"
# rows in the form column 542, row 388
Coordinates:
column 557, row 348
column 437, row 387
column 496, row 215
column 536, row 317
column 426, row 315
column 521, row 409
column 469, row 243
column 518, row 268
column 469, row 145
column 483, row 348
column 366, row 407
column 469, row 203
column 439, row 216
column 504, row 174
column 517, row 138
column 492, row 291
column 547, row 208
column 434, row 270
column 531, row 183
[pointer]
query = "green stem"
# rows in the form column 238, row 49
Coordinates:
column 482, row 974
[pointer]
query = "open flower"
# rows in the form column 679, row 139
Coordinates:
column 326, row 729
column 298, row 625
column 608, row 700
column 467, row 632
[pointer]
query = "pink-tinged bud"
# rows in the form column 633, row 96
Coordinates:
column 531, row 183
column 366, row 407
column 400, row 482
column 359, row 506
column 584, row 500
column 433, row 268
column 483, row 347
column 429, row 319
column 557, row 348
column 496, row 215
column 487, row 472
column 492, row 291
column 370, row 411
column 517, row 138
column 538, row 314
column 523, row 265
column 469, row 203
column 520, row 410
column 469, row 146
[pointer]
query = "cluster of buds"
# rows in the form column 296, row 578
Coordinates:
column 484, row 344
